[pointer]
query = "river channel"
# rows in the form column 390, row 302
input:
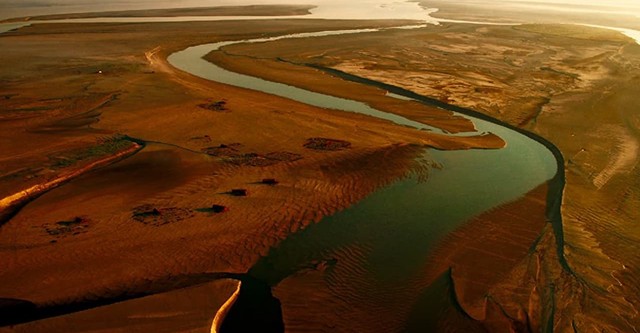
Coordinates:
column 396, row 227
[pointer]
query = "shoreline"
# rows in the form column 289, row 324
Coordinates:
column 581, row 222
column 432, row 139
column 552, row 238
column 556, row 184
column 224, row 309
column 172, row 177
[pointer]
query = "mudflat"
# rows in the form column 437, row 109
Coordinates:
column 254, row 10
column 146, row 222
column 574, row 85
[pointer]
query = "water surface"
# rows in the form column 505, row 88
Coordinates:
column 400, row 224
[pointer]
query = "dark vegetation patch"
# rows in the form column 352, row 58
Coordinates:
column 218, row 106
column 283, row 156
column 150, row 215
column 232, row 154
column 201, row 139
column 214, row 209
column 326, row 144
column 251, row 159
column 224, row 150
column 61, row 229
column 239, row 192
column 24, row 173
column 270, row 181
column 104, row 147
column 259, row 160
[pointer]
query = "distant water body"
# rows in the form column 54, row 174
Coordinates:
column 338, row 9
column 326, row 9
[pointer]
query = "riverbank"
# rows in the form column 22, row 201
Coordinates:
column 109, row 79
column 567, row 86
column 190, row 309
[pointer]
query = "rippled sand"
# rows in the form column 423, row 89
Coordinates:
column 575, row 86
column 119, row 256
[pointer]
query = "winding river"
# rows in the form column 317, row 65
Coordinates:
column 394, row 229
column 397, row 226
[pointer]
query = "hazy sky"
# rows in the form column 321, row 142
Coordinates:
column 340, row 9
column 14, row 8
column 625, row 7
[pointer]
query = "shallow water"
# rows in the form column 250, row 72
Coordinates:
column 191, row 61
column 521, row 153
column 400, row 224
column 326, row 9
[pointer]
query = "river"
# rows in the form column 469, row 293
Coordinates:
column 401, row 223
column 396, row 227
column 326, row 9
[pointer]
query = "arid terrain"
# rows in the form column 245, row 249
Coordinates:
column 117, row 175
